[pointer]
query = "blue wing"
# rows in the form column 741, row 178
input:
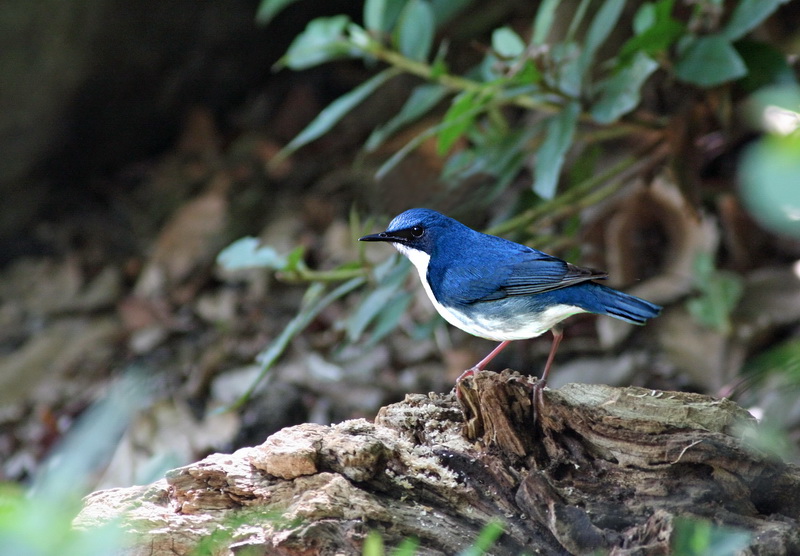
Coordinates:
column 501, row 273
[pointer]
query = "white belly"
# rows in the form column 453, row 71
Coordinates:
column 524, row 327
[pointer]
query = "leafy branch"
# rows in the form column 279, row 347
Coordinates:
column 577, row 97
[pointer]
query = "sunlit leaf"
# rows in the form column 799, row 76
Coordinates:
column 248, row 252
column 507, row 43
column 373, row 545
column 334, row 112
column 295, row 258
column 621, row 92
column 550, row 157
column 770, row 182
column 709, row 61
column 747, row 15
column 415, row 30
column 324, row 39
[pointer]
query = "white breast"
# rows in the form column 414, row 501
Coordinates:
column 521, row 328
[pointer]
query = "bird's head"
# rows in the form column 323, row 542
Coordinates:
column 415, row 230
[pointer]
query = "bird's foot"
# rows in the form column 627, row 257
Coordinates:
column 537, row 399
column 466, row 374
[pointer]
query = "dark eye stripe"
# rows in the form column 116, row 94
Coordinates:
column 408, row 234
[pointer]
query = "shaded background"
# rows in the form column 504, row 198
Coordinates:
column 135, row 141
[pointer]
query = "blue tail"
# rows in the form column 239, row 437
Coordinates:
column 602, row 300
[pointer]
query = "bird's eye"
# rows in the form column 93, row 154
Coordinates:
column 417, row 231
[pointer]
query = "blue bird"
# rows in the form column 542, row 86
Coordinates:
column 500, row 290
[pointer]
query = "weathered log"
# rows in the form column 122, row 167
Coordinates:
column 603, row 468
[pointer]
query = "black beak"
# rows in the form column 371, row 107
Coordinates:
column 383, row 236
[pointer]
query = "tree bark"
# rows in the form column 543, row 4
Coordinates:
column 602, row 469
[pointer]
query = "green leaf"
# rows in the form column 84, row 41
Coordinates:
column 766, row 65
column 747, row 15
column 487, row 537
column 769, row 175
column 545, row 17
column 498, row 153
column 415, row 30
column 620, row 93
column 407, row 547
column 651, row 14
column 645, row 17
column 656, row 31
column 710, row 61
column 335, row 111
column 603, row 23
column 782, row 360
column 380, row 16
column 324, row 39
column 268, row 9
column 550, row 157
column 568, row 76
column 404, row 151
column 373, row 545
column 507, row 43
column 720, row 292
column 375, row 302
column 459, row 117
column 295, row 258
column 248, row 253
column 699, row 537
column 421, row 100
column 387, row 320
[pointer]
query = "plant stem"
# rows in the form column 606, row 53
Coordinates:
column 458, row 83
column 303, row 275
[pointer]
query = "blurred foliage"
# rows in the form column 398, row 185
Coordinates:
column 696, row 537
column 579, row 90
column 770, row 168
column 782, row 360
column 488, row 536
column 720, row 291
column 38, row 522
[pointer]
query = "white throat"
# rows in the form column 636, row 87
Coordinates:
column 420, row 259
column 526, row 327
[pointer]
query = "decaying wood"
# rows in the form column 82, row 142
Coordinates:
column 603, row 468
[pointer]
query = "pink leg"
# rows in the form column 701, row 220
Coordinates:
column 557, row 335
column 538, row 397
column 483, row 362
